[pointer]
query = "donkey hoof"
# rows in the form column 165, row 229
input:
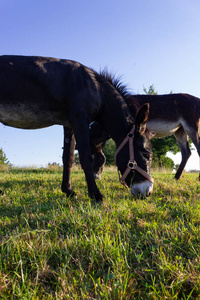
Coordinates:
column 98, row 198
column 99, row 201
column 70, row 194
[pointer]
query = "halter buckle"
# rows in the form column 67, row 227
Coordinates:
column 132, row 164
column 130, row 135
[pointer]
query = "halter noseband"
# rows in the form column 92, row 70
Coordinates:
column 132, row 165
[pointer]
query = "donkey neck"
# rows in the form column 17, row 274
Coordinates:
column 115, row 116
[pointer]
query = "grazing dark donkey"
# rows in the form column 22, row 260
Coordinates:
column 37, row 92
column 177, row 114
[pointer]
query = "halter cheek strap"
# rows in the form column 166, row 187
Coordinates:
column 132, row 165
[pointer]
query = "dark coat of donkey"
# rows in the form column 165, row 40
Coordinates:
column 37, row 92
column 177, row 114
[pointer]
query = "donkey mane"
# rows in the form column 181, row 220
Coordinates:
column 116, row 82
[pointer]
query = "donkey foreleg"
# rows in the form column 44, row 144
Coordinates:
column 81, row 132
column 182, row 140
column 68, row 161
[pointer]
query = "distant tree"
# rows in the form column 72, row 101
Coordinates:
column 150, row 91
column 167, row 162
column 53, row 164
column 160, row 148
column 3, row 159
column 109, row 151
column 76, row 157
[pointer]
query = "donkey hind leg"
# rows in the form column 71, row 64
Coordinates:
column 68, row 161
column 81, row 132
column 182, row 140
column 197, row 145
column 195, row 137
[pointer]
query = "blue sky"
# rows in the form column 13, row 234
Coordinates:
column 146, row 41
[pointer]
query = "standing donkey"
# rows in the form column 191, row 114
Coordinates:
column 37, row 92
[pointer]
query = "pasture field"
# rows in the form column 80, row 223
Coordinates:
column 57, row 248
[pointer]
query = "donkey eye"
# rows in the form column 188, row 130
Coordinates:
column 146, row 155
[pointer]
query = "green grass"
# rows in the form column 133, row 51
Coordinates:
column 57, row 248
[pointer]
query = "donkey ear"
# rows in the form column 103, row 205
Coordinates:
column 142, row 118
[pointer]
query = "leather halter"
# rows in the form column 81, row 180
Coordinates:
column 132, row 165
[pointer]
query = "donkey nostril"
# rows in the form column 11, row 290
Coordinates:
column 148, row 193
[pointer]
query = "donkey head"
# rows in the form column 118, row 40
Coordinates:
column 134, row 160
column 141, row 184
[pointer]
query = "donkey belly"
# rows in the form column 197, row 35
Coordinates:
column 163, row 128
column 25, row 117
